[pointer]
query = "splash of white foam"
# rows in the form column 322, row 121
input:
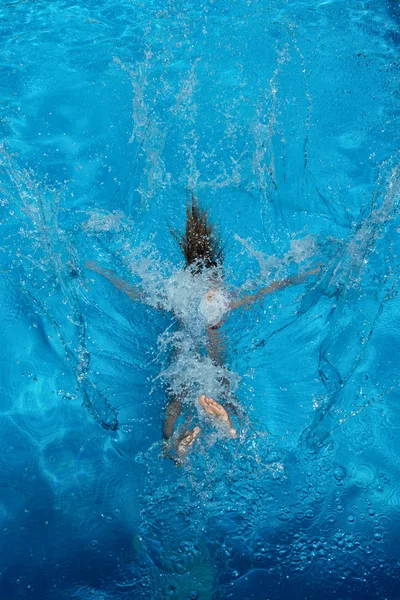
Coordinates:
column 102, row 220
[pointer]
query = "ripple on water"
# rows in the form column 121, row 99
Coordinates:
column 59, row 464
column 351, row 140
column 83, row 592
column 386, row 523
column 390, row 418
column 391, row 497
column 13, row 502
column 41, row 413
column 362, row 475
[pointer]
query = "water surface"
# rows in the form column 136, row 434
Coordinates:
column 283, row 117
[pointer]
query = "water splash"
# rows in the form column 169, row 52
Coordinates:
column 339, row 360
column 50, row 278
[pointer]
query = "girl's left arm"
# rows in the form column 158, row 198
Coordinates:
column 250, row 299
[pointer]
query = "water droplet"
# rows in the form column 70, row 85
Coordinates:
column 331, row 519
column 339, row 474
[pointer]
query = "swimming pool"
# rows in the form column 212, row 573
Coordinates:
column 283, row 117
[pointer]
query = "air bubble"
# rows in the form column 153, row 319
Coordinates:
column 386, row 523
column 339, row 474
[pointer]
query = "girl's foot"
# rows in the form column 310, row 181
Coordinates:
column 217, row 411
column 186, row 441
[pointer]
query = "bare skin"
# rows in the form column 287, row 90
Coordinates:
column 186, row 441
column 174, row 409
column 246, row 301
column 131, row 291
column 215, row 350
column 215, row 345
column 217, row 412
column 249, row 299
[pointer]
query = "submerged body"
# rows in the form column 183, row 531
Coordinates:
column 200, row 302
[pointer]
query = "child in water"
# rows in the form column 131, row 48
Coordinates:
column 211, row 303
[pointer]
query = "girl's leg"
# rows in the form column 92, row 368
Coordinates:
column 183, row 443
column 173, row 410
column 215, row 346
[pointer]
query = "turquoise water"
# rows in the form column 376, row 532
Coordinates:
column 283, row 117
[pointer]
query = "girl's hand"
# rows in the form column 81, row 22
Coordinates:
column 315, row 270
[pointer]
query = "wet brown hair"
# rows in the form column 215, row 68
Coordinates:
column 200, row 244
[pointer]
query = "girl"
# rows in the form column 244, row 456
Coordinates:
column 200, row 303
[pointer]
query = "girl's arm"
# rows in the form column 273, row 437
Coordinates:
column 248, row 300
column 128, row 289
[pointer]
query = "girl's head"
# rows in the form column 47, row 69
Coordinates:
column 199, row 243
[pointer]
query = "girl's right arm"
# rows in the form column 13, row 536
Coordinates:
column 131, row 291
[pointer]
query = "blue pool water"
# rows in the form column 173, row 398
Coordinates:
column 283, row 117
